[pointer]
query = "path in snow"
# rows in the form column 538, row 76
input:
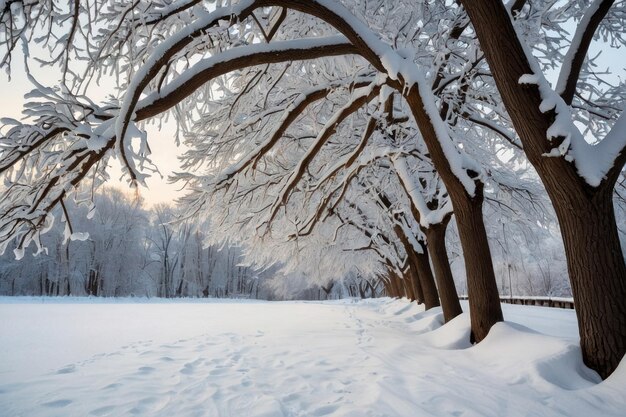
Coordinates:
column 371, row 358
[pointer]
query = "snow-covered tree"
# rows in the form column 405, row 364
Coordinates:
column 284, row 102
column 578, row 167
column 163, row 73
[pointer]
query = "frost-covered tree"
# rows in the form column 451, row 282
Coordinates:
column 574, row 134
column 164, row 73
column 356, row 63
column 120, row 255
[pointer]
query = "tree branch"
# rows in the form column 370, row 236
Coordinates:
column 575, row 57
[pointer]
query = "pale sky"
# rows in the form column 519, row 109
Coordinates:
column 161, row 142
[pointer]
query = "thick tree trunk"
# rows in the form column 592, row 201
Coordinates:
column 436, row 239
column 484, row 299
column 482, row 291
column 598, row 276
column 426, row 279
column 586, row 215
column 415, row 281
column 393, row 283
column 419, row 271
column 409, row 288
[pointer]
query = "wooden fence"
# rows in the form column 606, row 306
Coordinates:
column 557, row 302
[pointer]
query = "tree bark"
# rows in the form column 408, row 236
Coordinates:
column 426, row 279
column 419, row 270
column 484, row 299
column 598, row 277
column 482, row 291
column 586, row 215
column 415, row 280
column 393, row 283
column 409, row 288
column 436, row 239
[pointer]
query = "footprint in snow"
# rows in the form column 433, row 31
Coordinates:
column 102, row 411
column 145, row 370
column 171, row 346
column 325, row 410
column 68, row 369
column 218, row 371
column 190, row 367
column 57, row 403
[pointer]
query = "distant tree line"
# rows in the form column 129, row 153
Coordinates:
column 126, row 249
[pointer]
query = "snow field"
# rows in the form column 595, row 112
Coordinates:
column 85, row 357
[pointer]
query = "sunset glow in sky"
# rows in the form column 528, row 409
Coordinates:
column 161, row 141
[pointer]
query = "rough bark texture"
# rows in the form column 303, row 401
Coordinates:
column 395, row 284
column 409, row 289
column 598, row 278
column 417, row 287
column 420, row 268
column 482, row 291
column 484, row 299
column 586, row 215
column 436, row 238
column 427, row 281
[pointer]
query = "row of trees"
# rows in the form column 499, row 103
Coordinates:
column 317, row 128
column 125, row 249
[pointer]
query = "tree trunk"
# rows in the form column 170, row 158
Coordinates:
column 415, row 280
column 484, row 300
column 409, row 287
column 328, row 288
column 361, row 291
column 413, row 276
column 386, row 286
column 92, row 283
column 427, row 282
column 598, row 276
column 586, row 215
column 482, row 291
column 436, row 239
column 393, row 283
column 419, row 267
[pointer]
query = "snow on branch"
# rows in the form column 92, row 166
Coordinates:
column 290, row 114
column 359, row 98
column 416, row 193
column 234, row 59
column 159, row 58
column 593, row 162
column 577, row 52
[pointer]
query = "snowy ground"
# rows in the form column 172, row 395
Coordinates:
column 371, row 358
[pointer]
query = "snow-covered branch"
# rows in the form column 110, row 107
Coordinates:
column 577, row 52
